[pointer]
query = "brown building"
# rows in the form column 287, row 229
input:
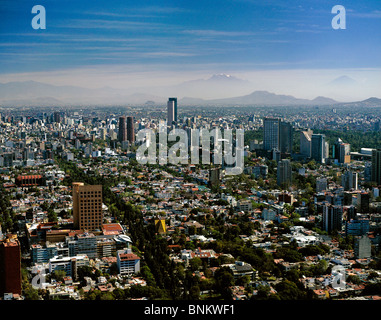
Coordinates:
column 10, row 266
column 30, row 180
column 122, row 132
column 87, row 207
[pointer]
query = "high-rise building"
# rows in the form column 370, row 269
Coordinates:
column 271, row 132
column 284, row 173
column 363, row 202
column 349, row 180
column 362, row 247
column 174, row 100
column 122, row 132
column 87, row 207
column 130, row 130
column 170, row 112
column 10, row 266
column 376, row 166
column 286, row 133
column 57, row 116
column 342, row 151
column 318, row 147
column 305, row 143
column 332, row 218
column 345, row 153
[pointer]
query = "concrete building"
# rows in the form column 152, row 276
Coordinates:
column 362, row 248
column 68, row 264
column 128, row 262
column 87, row 207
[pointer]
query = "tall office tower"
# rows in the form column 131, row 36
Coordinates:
column 305, row 143
column 87, row 207
column 271, row 128
column 342, row 151
column 170, row 112
column 10, row 266
column 349, row 180
column 286, row 133
column 376, row 166
column 318, row 147
column 345, row 153
column 57, row 116
column 130, row 130
column 284, row 173
column 363, row 202
column 175, row 109
column 332, row 218
column 122, row 132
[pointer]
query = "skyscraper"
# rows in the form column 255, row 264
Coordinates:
column 363, row 199
column 305, row 143
column 318, row 147
column 87, row 206
column 284, row 173
column 332, row 218
column 10, row 266
column 130, row 130
column 271, row 132
column 286, row 133
column 174, row 100
column 376, row 166
column 122, row 132
column 342, row 151
column 170, row 112
column 349, row 180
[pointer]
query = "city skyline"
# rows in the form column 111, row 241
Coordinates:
column 286, row 48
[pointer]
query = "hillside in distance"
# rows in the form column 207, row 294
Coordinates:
column 33, row 93
column 262, row 98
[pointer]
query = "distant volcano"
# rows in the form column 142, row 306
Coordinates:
column 343, row 81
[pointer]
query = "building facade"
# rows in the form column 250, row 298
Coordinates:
column 10, row 266
column 87, row 207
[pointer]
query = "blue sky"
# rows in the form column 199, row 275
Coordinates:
column 105, row 41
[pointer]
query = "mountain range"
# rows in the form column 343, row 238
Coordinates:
column 33, row 93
